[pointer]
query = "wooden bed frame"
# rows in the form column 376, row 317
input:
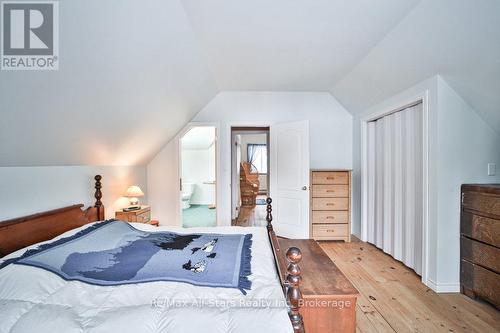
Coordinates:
column 24, row 231
column 21, row 232
column 291, row 280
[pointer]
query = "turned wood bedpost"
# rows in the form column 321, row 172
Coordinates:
column 291, row 281
column 293, row 294
column 98, row 196
column 269, row 217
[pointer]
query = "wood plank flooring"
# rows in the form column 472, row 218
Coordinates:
column 394, row 300
column 251, row 216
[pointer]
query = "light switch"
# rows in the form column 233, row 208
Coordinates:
column 492, row 169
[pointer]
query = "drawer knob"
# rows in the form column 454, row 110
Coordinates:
column 330, row 191
column 330, row 204
column 330, row 217
column 330, row 230
column 330, row 178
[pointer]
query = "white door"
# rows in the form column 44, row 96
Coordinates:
column 290, row 179
column 395, row 185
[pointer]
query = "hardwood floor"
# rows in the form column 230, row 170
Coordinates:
column 392, row 297
column 394, row 300
column 252, row 216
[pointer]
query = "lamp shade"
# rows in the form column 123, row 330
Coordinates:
column 134, row 192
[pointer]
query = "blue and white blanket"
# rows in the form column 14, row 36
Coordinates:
column 115, row 253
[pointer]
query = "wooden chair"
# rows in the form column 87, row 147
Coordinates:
column 249, row 184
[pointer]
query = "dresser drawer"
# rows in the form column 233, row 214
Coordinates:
column 477, row 281
column 136, row 216
column 143, row 217
column 480, row 254
column 481, row 202
column 329, row 230
column 330, row 191
column 330, row 195
column 330, row 203
column 481, row 228
column 330, row 177
column 330, row 217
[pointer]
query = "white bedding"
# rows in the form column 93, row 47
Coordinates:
column 35, row 300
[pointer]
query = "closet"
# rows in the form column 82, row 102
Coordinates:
column 395, row 184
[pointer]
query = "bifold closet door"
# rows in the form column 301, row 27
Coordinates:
column 395, row 185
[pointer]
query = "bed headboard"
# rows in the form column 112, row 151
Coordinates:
column 28, row 230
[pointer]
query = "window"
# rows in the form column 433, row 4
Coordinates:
column 257, row 156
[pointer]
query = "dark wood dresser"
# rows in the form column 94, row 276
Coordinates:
column 480, row 242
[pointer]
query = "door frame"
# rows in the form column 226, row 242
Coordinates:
column 218, row 188
column 422, row 97
column 228, row 145
column 242, row 130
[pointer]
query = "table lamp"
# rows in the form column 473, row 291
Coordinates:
column 132, row 193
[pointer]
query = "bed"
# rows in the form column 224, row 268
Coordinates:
column 34, row 299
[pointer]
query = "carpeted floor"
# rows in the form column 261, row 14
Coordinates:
column 198, row 216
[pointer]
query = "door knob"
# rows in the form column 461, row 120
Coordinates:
column 304, row 188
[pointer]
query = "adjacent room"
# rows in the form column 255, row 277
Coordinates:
column 249, row 174
column 198, row 177
column 230, row 166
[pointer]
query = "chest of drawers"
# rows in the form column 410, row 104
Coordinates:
column 142, row 215
column 480, row 242
column 330, row 205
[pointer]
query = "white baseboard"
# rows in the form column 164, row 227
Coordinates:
column 355, row 234
column 443, row 287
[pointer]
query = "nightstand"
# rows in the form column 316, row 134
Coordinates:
column 142, row 215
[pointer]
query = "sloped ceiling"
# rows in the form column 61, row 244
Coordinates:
column 289, row 44
column 458, row 39
column 133, row 73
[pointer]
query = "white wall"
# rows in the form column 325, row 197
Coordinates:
column 28, row 190
column 163, row 184
column 198, row 167
column 460, row 146
column 466, row 145
column 330, row 131
column 258, row 139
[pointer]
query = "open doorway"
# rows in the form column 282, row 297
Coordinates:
column 249, row 174
column 198, row 152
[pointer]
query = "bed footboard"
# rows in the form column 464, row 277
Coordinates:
column 289, row 274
